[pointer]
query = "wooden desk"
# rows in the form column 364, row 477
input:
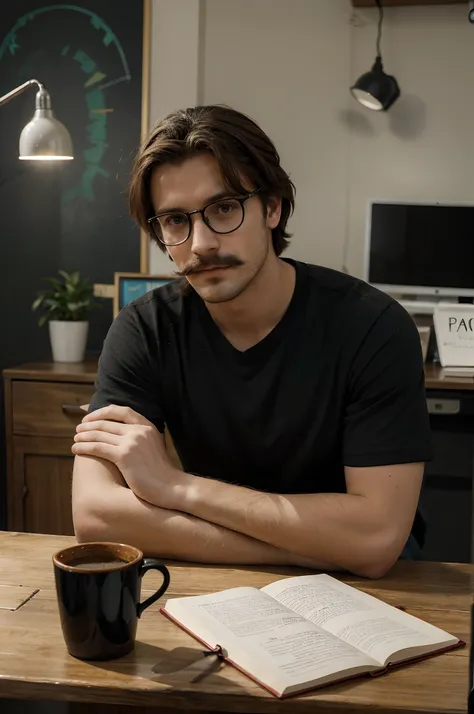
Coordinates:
column 34, row 663
column 435, row 379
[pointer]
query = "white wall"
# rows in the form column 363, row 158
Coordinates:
column 289, row 64
column 286, row 64
column 175, row 69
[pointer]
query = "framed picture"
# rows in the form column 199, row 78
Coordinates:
column 129, row 286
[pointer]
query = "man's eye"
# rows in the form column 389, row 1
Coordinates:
column 225, row 208
column 175, row 220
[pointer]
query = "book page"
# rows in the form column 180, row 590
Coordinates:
column 265, row 638
column 378, row 629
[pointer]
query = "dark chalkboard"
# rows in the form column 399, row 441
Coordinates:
column 74, row 215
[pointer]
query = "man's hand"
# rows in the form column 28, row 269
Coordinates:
column 135, row 446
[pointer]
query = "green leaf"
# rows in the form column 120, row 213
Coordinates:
column 64, row 275
column 71, row 298
column 52, row 302
column 54, row 282
column 75, row 277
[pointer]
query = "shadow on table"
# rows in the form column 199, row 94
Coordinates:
column 409, row 576
column 276, row 570
column 19, row 706
column 180, row 667
column 436, row 577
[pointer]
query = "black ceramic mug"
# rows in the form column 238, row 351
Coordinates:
column 98, row 588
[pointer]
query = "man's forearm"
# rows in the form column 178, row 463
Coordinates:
column 363, row 530
column 337, row 531
column 175, row 535
column 104, row 509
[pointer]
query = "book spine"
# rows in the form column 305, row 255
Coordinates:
column 216, row 650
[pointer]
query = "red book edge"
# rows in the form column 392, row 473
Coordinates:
column 457, row 645
column 378, row 673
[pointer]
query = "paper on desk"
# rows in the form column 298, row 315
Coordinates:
column 14, row 596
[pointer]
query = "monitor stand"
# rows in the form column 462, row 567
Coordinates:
column 418, row 305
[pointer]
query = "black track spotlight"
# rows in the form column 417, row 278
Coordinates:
column 470, row 12
column 376, row 89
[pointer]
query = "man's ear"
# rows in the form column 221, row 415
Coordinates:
column 273, row 210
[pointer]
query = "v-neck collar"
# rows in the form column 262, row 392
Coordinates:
column 270, row 341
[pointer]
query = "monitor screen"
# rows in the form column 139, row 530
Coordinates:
column 419, row 245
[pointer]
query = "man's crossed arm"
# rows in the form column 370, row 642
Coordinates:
column 170, row 513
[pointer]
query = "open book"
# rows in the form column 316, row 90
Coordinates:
column 305, row 632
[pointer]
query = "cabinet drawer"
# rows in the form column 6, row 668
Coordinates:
column 48, row 408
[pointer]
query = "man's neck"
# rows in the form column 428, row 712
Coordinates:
column 249, row 318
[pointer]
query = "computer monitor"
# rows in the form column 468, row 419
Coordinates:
column 420, row 248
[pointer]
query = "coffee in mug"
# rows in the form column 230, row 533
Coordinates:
column 98, row 588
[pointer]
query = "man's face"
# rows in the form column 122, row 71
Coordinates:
column 219, row 267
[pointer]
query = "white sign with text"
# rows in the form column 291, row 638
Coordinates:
column 454, row 327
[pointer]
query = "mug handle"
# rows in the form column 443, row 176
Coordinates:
column 152, row 564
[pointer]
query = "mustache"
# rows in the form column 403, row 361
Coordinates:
column 215, row 261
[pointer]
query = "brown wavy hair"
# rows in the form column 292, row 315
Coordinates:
column 240, row 147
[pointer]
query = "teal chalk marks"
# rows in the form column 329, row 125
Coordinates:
column 100, row 25
column 87, row 65
column 64, row 51
column 13, row 46
column 97, row 135
column 10, row 43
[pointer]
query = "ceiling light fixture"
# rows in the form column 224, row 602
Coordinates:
column 375, row 89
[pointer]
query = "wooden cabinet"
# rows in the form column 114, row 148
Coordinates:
column 43, row 406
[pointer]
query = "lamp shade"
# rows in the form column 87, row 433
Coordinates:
column 44, row 138
column 375, row 89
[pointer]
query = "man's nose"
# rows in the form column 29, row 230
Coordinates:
column 203, row 240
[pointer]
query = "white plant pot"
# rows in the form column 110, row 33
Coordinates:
column 68, row 340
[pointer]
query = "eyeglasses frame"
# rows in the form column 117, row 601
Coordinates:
column 201, row 211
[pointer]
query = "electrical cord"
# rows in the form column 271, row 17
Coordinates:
column 379, row 32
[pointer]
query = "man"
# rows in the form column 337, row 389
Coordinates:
column 293, row 393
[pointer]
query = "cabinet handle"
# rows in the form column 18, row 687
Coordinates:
column 449, row 407
column 24, row 492
column 73, row 410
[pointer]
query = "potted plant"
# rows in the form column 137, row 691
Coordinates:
column 66, row 306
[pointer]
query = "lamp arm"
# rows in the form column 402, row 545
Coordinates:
column 14, row 92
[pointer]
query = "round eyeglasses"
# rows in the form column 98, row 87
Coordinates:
column 223, row 216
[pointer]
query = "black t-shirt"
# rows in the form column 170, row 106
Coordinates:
column 339, row 381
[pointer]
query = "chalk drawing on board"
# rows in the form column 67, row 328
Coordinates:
column 97, row 23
